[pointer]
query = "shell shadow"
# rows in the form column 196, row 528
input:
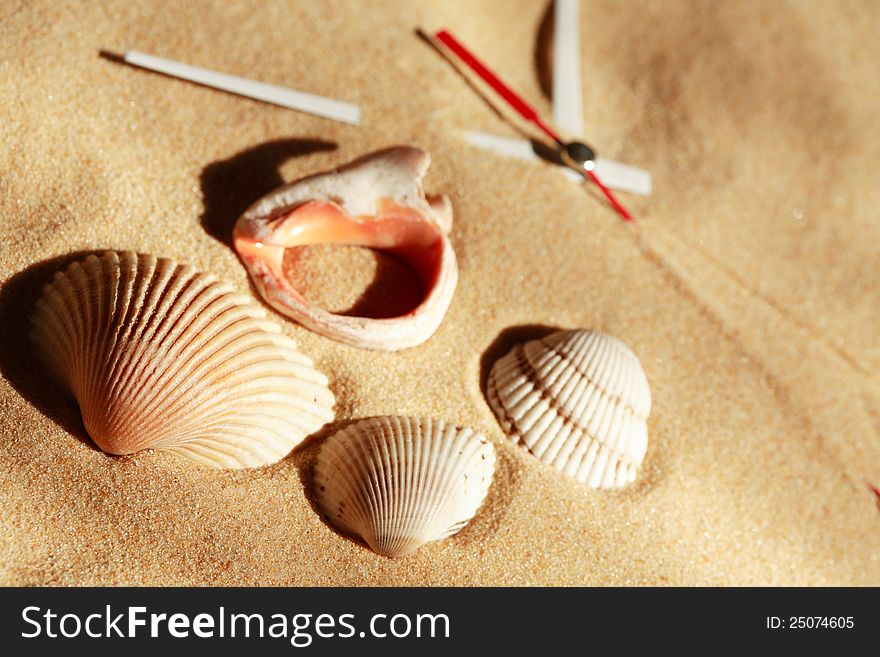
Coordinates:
column 230, row 186
column 460, row 69
column 304, row 459
column 506, row 481
column 394, row 290
column 18, row 360
column 504, row 342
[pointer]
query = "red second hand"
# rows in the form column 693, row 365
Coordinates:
column 516, row 101
column 611, row 198
column 513, row 99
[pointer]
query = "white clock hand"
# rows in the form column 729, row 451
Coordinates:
column 568, row 111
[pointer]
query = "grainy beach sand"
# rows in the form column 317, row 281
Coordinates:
column 749, row 288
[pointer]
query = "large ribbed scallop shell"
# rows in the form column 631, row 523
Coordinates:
column 579, row 401
column 400, row 482
column 159, row 356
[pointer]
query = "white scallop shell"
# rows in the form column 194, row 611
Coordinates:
column 159, row 356
column 400, row 482
column 579, row 401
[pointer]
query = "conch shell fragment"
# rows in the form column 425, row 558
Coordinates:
column 376, row 201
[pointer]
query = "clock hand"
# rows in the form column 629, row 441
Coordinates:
column 576, row 155
column 568, row 112
column 513, row 99
column 613, row 174
column 269, row 93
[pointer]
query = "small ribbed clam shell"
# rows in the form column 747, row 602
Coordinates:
column 400, row 482
column 579, row 401
column 159, row 356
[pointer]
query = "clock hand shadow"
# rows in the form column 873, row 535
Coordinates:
column 230, row 186
column 544, row 51
column 543, row 55
column 461, row 70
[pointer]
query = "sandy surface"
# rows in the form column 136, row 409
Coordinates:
column 749, row 289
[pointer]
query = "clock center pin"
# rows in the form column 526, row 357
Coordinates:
column 578, row 156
